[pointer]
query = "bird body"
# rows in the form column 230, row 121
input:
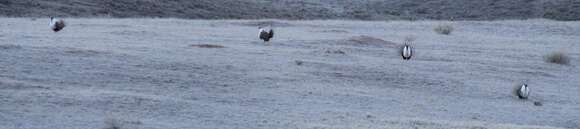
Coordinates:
column 266, row 35
column 523, row 92
column 406, row 52
column 56, row 24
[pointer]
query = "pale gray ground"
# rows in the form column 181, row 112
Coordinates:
column 144, row 73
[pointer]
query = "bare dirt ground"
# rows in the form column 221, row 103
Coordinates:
column 175, row 74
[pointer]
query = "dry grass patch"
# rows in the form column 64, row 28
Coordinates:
column 444, row 29
column 557, row 58
column 113, row 124
column 206, row 46
column 83, row 52
column 9, row 46
column 116, row 123
column 334, row 51
column 368, row 40
column 363, row 39
column 331, row 31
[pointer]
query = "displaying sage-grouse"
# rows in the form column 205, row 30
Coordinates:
column 56, row 24
column 523, row 91
column 406, row 52
column 266, row 35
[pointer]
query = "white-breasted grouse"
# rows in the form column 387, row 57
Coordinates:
column 266, row 35
column 523, row 91
column 56, row 24
column 406, row 52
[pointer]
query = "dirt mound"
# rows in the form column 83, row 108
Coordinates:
column 368, row 40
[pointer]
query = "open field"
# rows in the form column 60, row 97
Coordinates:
column 175, row 74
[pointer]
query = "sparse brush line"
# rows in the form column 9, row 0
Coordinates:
column 207, row 46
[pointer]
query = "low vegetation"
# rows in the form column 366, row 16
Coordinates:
column 337, row 51
column 299, row 62
column 207, row 46
column 9, row 46
column 557, row 58
column 112, row 124
column 297, row 9
column 369, row 40
column 444, row 29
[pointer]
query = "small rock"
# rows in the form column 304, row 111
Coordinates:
column 538, row 103
column 474, row 118
column 299, row 62
column 369, row 116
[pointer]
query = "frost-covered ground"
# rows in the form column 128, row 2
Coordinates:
column 145, row 73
